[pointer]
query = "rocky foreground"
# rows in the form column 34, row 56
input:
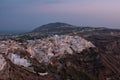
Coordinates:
column 55, row 58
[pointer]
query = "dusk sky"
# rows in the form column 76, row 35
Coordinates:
column 29, row 14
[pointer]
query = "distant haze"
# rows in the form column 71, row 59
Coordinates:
column 29, row 14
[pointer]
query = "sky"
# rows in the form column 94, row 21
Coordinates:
column 29, row 14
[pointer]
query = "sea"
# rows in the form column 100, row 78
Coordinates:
column 10, row 32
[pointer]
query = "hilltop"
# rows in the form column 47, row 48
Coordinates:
column 60, row 28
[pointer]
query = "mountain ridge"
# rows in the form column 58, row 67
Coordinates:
column 63, row 28
column 50, row 26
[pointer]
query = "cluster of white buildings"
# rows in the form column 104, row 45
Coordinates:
column 10, row 49
column 16, row 59
column 9, row 46
column 44, row 49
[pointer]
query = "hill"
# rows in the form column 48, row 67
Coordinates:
column 60, row 28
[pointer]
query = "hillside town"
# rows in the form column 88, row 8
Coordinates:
column 44, row 49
